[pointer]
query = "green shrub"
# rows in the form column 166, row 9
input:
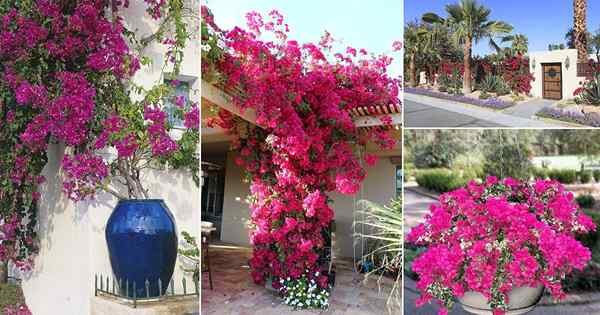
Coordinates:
column 563, row 176
column 540, row 173
column 489, row 83
column 596, row 174
column 484, row 95
column 590, row 240
column 503, row 88
column 585, row 201
column 10, row 295
column 585, row 177
column 440, row 180
column 409, row 171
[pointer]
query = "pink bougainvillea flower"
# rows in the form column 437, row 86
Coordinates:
column 526, row 230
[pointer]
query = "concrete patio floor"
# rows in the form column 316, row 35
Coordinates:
column 235, row 293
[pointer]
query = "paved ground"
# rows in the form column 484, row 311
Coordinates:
column 415, row 207
column 528, row 109
column 421, row 115
column 424, row 111
column 234, row 292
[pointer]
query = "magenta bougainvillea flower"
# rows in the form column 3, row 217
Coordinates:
column 304, row 148
column 496, row 236
column 66, row 78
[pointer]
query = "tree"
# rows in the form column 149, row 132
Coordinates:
column 595, row 44
column 414, row 42
column 519, row 44
column 580, row 29
column 469, row 22
column 506, row 153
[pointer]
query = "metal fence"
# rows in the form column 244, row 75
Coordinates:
column 129, row 290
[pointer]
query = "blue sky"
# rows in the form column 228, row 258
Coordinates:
column 543, row 22
column 372, row 25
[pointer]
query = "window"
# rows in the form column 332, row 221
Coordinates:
column 182, row 92
column 399, row 177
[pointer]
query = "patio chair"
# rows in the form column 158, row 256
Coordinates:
column 206, row 230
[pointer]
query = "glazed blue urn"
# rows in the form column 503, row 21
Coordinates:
column 142, row 245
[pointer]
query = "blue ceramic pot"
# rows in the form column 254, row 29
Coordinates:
column 142, row 245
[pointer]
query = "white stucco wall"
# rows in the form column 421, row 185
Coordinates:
column 72, row 243
column 379, row 187
column 570, row 81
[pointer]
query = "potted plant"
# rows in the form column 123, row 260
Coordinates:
column 495, row 246
column 140, row 233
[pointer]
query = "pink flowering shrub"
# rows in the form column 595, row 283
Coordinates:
column 65, row 77
column 302, row 148
column 497, row 236
column 17, row 310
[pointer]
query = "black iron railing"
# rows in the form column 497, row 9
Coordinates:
column 128, row 290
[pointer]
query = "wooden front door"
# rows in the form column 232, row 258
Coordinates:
column 552, row 83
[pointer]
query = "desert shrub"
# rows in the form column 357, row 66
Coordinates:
column 596, row 174
column 586, row 201
column 585, row 176
column 489, row 83
column 563, row 176
column 440, row 180
column 503, row 88
column 484, row 95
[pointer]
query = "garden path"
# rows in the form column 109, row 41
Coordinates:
column 528, row 109
column 415, row 207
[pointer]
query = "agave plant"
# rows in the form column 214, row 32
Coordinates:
column 490, row 83
column 589, row 93
column 383, row 226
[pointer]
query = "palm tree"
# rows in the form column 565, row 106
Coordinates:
column 414, row 44
column 580, row 28
column 519, row 44
column 595, row 44
column 469, row 22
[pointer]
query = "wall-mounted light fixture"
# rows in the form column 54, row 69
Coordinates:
column 567, row 63
column 533, row 64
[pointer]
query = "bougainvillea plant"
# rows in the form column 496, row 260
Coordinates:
column 496, row 236
column 304, row 143
column 515, row 71
column 66, row 77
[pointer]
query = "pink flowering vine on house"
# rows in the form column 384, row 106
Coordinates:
column 303, row 146
column 66, row 74
column 494, row 237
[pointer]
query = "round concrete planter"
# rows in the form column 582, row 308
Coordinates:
column 521, row 300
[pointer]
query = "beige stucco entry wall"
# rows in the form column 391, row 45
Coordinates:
column 379, row 187
column 570, row 81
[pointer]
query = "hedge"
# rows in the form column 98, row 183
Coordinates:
column 440, row 180
column 563, row 176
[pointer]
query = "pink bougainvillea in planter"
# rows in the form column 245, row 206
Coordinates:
column 305, row 145
column 498, row 238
